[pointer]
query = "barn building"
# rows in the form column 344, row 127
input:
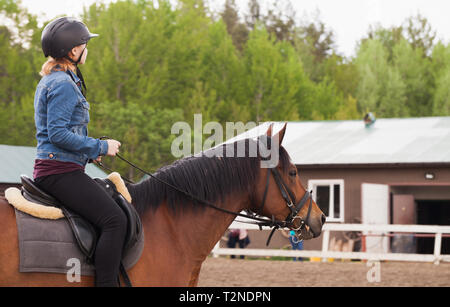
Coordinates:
column 384, row 171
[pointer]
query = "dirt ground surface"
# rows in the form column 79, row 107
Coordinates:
column 225, row 272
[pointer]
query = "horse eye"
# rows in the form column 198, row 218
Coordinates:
column 293, row 173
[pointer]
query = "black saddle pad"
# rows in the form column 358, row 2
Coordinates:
column 50, row 246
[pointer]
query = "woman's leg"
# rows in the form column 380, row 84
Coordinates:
column 80, row 193
column 231, row 243
column 241, row 243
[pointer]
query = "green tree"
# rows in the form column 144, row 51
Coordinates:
column 416, row 30
column 415, row 73
column 344, row 74
column 19, row 70
column 144, row 132
column 348, row 109
column 441, row 72
column 274, row 77
column 441, row 99
column 280, row 21
column 327, row 100
column 235, row 28
column 154, row 65
column 381, row 88
column 144, row 69
column 315, row 44
column 420, row 34
column 389, row 37
column 222, row 73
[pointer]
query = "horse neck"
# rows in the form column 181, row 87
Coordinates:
column 194, row 232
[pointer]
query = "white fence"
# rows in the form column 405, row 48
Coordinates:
column 381, row 230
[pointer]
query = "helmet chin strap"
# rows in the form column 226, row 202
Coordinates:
column 79, row 74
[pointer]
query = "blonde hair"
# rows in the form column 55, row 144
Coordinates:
column 52, row 64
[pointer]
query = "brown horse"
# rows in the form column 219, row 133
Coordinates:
column 179, row 232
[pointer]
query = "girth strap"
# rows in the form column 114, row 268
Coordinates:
column 126, row 279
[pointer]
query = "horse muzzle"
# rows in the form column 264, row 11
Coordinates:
column 311, row 230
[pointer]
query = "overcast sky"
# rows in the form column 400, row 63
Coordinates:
column 349, row 19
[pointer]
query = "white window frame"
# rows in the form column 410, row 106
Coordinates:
column 312, row 186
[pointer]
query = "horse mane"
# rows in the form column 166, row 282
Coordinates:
column 208, row 177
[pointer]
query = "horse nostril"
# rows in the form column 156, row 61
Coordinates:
column 324, row 218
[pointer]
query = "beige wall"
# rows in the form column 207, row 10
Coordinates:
column 402, row 180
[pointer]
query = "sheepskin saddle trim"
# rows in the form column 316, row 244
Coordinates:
column 120, row 185
column 16, row 199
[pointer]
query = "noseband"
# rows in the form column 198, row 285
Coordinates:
column 289, row 198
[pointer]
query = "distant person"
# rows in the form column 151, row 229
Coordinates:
column 239, row 236
column 296, row 244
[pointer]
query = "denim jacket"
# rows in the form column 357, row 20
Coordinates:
column 61, row 117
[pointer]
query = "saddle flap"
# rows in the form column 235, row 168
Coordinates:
column 84, row 232
column 134, row 224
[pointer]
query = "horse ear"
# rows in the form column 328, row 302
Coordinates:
column 281, row 134
column 269, row 131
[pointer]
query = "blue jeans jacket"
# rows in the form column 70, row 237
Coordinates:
column 61, row 117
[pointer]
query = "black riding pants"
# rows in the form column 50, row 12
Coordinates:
column 80, row 193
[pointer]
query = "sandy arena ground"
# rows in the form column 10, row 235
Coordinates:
column 225, row 272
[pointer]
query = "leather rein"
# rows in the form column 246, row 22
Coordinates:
column 286, row 193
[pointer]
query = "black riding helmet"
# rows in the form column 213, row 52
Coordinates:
column 62, row 34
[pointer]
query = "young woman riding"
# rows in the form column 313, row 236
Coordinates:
column 64, row 148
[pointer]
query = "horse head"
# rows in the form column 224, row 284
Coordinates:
column 280, row 195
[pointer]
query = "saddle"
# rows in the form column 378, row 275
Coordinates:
column 85, row 233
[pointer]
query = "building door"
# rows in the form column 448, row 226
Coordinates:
column 375, row 210
column 404, row 209
column 403, row 212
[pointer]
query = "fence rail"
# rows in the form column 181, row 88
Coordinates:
column 381, row 230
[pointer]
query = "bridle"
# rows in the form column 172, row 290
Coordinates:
column 286, row 193
column 289, row 198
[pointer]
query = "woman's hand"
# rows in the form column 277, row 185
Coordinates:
column 113, row 147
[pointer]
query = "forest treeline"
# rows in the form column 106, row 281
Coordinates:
column 156, row 63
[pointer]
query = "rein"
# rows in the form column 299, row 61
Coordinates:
column 275, row 224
